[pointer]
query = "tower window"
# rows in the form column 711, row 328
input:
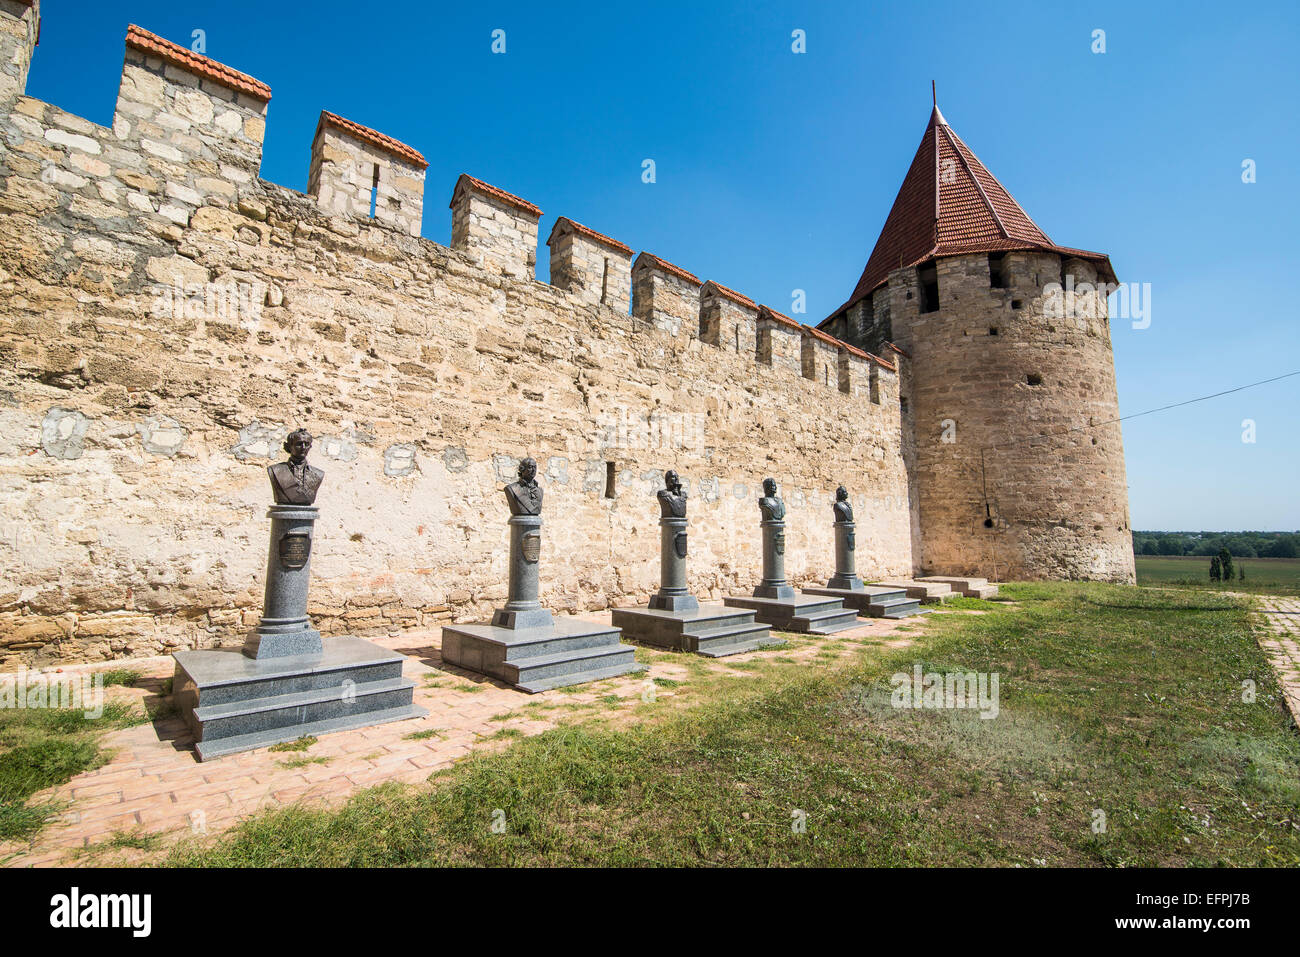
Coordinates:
column 1034, row 378
column 993, row 330
column 604, row 282
column 1016, row 303
column 374, row 191
column 928, row 279
column 610, row 471
column 997, row 271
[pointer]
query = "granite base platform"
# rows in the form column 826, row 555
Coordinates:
column 710, row 630
column 970, row 587
column 874, row 601
column 235, row 703
column 804, row 614
column 926, row 592
column 569, row 651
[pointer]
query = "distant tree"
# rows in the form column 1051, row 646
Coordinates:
column 1282, row 547
column 1150, row 547
column 1216, row 572
column 1243, row 546
column 1171, row 545
column 1225, row 564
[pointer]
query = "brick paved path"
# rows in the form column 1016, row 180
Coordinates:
column 1278, row 621
column 154, row 784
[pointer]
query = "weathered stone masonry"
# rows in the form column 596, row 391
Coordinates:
column 166, row 317
column 1010, row 428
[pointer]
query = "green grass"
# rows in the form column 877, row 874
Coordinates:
column 120, row 676
column 303, row 761
column 301, row 744
column 1267, row 576
column 1112, row 698
column 43, row 748
column 424, row 735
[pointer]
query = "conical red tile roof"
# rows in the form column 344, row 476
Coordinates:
column 949, row 205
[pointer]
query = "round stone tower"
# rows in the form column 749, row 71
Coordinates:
column 1015, row 458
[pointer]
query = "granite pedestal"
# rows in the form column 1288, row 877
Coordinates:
column 776, row 603
column 874, row 600
column 233, row 703
column 526, row 647
column 806, row 614
column 846, row 575
column 287, row 681
column 285, row 630
column 675, row 619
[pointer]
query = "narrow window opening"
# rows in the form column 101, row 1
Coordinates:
column 1016, row 303
column 736, row 330
column 997, row 271
column 374, row 192
column 604, row 282
column 928, row 278
column 993, row 330
column 610, row 471
column 1034, row 378
column 902, row 404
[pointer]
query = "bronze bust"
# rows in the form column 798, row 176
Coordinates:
column 843, row 510
column 525, row 496
column 295, row 482
column 771, row 505
column 672, row 500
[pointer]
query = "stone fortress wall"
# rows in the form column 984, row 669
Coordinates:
column 166, row 316
column 1010, row 429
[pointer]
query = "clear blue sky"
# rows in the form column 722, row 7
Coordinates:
column 775, row 170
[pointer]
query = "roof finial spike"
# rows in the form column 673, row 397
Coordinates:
column 935, row 116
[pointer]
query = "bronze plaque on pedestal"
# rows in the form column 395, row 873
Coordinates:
column 294, row 551
column 778, row 543
column 679, row 544
column 531, row 546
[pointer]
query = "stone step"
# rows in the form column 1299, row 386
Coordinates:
column 884, row 594
column 826, row 623
column 928, row 592
column 711, row 642
column 540, row 657
column 229, row 676
column 734, row 618
column 535, row 686
column 709, row 626
column 281, row 711
column 804, row 614
column 863, row 600
column 560, row 642
column 894, row 608
column 207, row 750
column 536, row 668
column 970, row 587
column 898, row 613
column 740, row 647
column 954, row 580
